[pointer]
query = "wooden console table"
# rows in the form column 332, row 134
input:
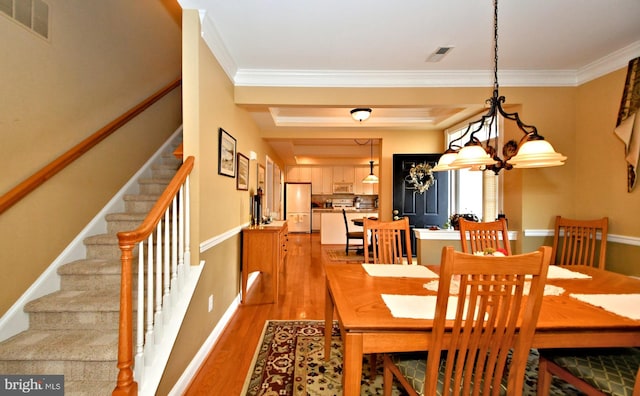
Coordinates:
column 264, row 249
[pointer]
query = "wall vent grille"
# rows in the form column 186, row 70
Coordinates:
column 32, row 14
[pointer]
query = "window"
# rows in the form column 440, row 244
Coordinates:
column 472, row 191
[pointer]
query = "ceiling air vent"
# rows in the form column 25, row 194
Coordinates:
column 438, row 54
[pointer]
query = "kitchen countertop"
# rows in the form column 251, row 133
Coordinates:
column 349, row 210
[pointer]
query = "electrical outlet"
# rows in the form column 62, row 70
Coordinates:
column 211, row 303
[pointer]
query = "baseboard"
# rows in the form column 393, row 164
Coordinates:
column 183, row 382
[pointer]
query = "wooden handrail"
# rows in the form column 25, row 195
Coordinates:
column 126, row 386
column 34, row 181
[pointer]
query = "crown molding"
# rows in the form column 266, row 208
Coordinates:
column 401, row 79
column 411, row 78
column 213, row 40
column 614, row 61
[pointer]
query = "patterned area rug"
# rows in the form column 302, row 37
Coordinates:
column 339, row 255
column 290, row 361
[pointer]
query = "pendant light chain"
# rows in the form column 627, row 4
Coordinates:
column 495, row 46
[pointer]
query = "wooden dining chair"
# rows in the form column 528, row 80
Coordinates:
column 483, row 348
column 387, row 242
column 594, row 371
column 351, row 235
column 575, row 242
column 477, row 237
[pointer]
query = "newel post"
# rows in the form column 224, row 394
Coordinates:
column 126, row 386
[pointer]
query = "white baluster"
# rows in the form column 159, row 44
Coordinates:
column 149, row 336
column 181, row 239
column 174, row 251
column 166, row 273
column 187, row 229
column 157, row 319
column 139, row 358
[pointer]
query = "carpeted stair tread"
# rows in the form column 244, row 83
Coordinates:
column 92, row 267
column 102, row 239
column 84, row 345
column 89, row 388
column 126, row 216
column 76, row 301
column 141, row 197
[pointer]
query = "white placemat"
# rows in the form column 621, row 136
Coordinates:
column 454, row 288
column 399, row 271
column 627, row 305
column 556, row 272
column 417, row 307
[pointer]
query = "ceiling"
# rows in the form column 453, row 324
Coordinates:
column 380, row 43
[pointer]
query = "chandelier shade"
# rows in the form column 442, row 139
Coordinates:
column 531, row 152
column 535, row 154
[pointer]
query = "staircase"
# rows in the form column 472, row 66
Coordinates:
column 74, row 331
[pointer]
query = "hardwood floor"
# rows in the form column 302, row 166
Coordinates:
column 302, row 295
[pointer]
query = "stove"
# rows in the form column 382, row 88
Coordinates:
column 342, row 203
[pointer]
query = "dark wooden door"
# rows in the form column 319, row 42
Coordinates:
column 423, row 210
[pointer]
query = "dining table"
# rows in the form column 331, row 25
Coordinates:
column 354, row 293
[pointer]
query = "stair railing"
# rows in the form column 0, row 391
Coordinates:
column 34, row 181
column 161, row 244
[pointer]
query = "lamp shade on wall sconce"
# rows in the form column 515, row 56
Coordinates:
column 361, row 114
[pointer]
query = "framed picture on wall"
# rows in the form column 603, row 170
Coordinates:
column 226, row 154
column 261, row 176
column 242, row 182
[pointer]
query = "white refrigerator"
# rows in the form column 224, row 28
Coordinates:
column 297, row 206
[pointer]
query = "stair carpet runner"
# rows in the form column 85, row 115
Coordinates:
column 74, row 331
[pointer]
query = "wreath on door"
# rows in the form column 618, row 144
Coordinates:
column 421, row 177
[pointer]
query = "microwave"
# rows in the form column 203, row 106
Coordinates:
column 343, row 188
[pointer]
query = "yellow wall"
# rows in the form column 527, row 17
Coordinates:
column 217, row 206
column 55, row 94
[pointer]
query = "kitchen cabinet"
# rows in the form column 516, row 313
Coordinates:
column 343, row 174
column 315, row 221
column 298, row 174
column 264, row 249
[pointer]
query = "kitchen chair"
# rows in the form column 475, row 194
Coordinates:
column 575, row 242
column 476, row 237
column 357, row 235
column 593, row 371
column 473, row 349
column 385, row 241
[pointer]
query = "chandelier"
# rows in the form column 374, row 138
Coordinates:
column 531, row 152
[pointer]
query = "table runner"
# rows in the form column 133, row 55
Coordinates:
column 399, row 271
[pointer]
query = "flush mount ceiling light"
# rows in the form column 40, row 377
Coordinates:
column 361, row 114
column 531, row 152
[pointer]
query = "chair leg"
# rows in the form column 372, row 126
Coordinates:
column 373, row 363
column 544, row 378
column 387, row 378
column 346, row 250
